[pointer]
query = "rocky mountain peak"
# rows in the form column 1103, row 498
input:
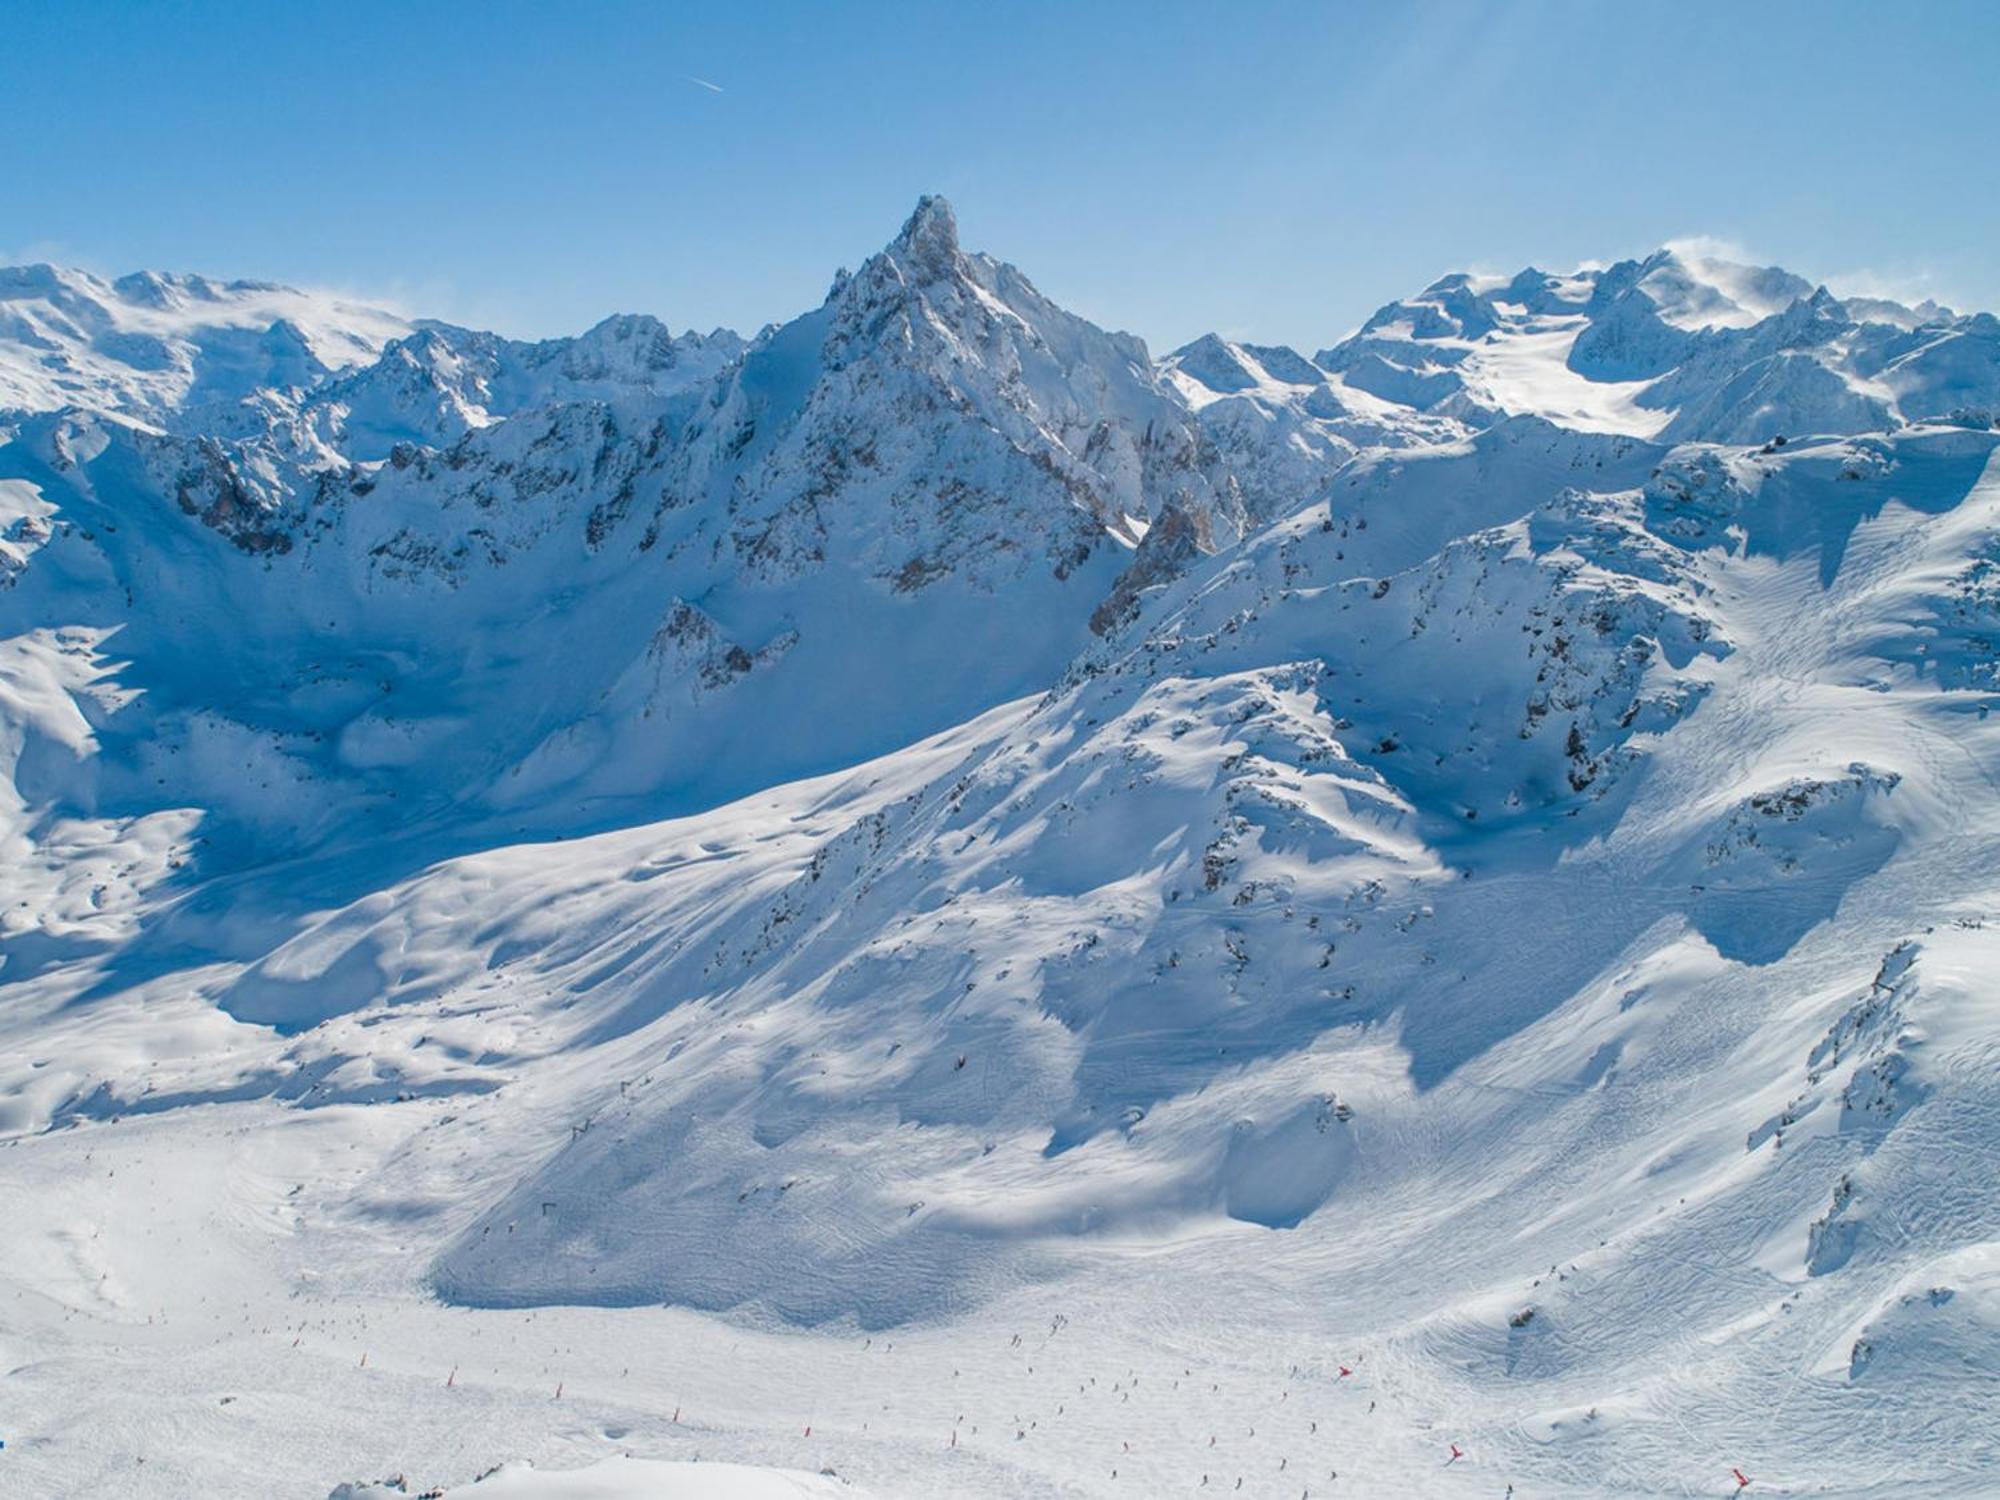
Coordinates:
column 931, row 231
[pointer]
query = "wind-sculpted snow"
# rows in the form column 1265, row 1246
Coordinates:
column 926, row 897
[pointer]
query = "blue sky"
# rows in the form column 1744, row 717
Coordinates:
column 1274, row 171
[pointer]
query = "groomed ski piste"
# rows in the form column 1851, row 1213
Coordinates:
column 924, row 904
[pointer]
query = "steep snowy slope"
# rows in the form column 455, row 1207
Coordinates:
column 940, row 902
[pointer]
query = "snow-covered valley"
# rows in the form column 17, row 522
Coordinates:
column 925, row 903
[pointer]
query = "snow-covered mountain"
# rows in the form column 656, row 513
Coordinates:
column 1676, row 349
column 886, row 515
column 148, row 344
column 755, row 884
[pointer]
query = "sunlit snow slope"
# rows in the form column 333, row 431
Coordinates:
column 926, row 904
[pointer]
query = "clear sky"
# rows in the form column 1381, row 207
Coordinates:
column 1274, row 171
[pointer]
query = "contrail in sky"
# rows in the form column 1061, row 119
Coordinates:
column 713, row 88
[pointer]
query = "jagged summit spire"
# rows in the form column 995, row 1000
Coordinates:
column 931, row 227
column 925, row 251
